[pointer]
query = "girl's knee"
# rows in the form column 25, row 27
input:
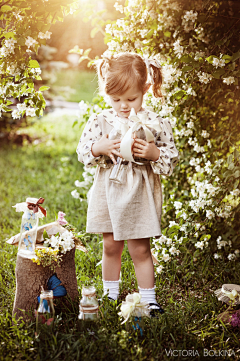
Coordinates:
column 139, row 251
column 110, row 251
column 112, row 248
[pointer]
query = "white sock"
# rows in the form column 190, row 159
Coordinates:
column 111, row 288
column 148, row 295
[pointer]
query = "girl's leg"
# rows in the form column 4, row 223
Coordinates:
column 111, row 264
column 140, row 252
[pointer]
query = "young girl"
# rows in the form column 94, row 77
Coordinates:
column 130, row 210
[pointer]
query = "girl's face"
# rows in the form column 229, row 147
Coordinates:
column 132, row 98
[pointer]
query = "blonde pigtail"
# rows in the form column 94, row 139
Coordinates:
column 158, row 80
column 102, row 67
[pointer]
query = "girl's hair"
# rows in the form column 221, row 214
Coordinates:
column 118, row 73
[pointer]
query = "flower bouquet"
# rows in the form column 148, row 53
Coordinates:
column 54, row 246
column 133, row 311
column 229, row 294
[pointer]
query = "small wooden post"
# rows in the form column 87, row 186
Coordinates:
column 30, row 277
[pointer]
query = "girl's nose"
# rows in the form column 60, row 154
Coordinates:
column 124, row 105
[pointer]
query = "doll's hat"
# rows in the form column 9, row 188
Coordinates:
column 229, row 293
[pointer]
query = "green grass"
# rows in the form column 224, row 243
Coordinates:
column 83, row 83
column 48, row 169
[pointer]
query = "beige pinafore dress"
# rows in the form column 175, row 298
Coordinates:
column 133, row 209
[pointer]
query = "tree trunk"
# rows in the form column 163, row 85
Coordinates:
column 30, row 277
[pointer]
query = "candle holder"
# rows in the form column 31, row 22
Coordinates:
column 45, row 313
column 88, row 304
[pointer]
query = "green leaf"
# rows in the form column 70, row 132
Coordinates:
column 232, row 66
column 236, row 55
column 236, row 183
column 21, row 41
column 236, row 73
column 220, row 42
column 228, row 174
column 179, row 94
column 186, row 68
column 236, row 154
column 227, row 58
column 196, row 64
column 33, row 64
column 43, row 27
column 86, row 52
column 223, row 143
column 186, row 59
column 231, row 94
column 208, row 236
column 178, row 214
column 74, row 123
column 44, row 87
column 218, row 73
column 230, row 158
column 82, row 58
column 9, row 35
column 90, row 63
column 45, row 235
column 237, row 174
column 168, row 34
column 6, row 8
column 210, row 58
column 196, row 253
column 76, row 50
column 173, row 229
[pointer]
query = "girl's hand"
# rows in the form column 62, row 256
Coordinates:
column 146, row 150
column 104, row 146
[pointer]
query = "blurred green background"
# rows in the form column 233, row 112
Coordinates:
column 83, row 83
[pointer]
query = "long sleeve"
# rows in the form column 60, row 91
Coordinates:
column 91, row 133
column 169, row 155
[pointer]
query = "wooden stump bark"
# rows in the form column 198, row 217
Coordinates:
column 30, row 277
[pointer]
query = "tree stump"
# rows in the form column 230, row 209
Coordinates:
column 30, row 277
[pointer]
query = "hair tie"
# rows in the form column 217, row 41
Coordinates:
column 105, row 65
column 153, row 62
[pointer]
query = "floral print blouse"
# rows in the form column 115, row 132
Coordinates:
column 103, row 123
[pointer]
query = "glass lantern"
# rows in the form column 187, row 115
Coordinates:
column 118, row 170
column 28, row 232
column 88, row 304
column 46, row 312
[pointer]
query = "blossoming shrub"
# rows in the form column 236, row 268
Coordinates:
column 24, row 27
column 197, row 44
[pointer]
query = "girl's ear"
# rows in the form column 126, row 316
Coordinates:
column 146, row 87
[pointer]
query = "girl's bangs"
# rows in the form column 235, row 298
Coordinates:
column 119, row 84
